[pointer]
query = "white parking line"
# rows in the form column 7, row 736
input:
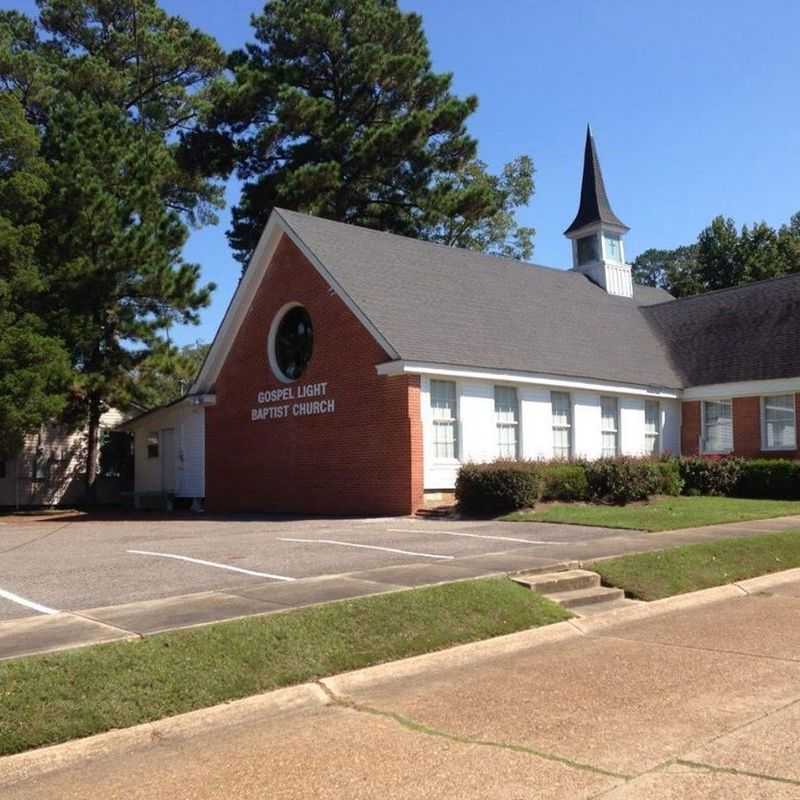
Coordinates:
column 23, row 601
column 367, row 547
column 470, row 535
column 212, row 564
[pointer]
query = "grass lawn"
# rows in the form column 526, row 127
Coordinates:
column 662, row 513
column 52, row 698
column 651, row 576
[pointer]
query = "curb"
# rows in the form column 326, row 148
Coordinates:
column 272, row 705
column 766, row 582
column 309, row 696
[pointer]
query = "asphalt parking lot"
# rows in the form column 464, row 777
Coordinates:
column 83, row 563
column 77, row 580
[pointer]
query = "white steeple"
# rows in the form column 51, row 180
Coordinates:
column 597, row 232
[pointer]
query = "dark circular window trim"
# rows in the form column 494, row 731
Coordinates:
column 291, row 342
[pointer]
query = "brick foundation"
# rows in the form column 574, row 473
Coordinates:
column 364, row 458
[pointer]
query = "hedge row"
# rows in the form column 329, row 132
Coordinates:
column 510, row 485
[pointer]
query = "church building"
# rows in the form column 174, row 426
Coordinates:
column 356, row 370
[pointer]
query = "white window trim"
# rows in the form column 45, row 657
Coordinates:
column 617, row 427
column 458, row 432
column 157, row 435
column 517, row 424
column 658, row 435
column 607, row 254
column 763, row 403
column 702, row 449
column 570, row 427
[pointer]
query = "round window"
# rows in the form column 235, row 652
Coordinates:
column 293, row 343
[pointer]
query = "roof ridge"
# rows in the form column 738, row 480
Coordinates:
column 424, row 242
column 741, row 287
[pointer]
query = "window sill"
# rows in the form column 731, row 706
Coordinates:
column 779, row 449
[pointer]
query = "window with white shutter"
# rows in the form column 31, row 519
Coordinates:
column 717, row 426
column 778, row 424
column 609, row 426
column 652, row 427
column 444, row 413
column 561, row 404
column 506, row 415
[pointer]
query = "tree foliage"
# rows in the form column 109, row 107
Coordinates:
column 722, row 257
column 34, row 369
column 166, row 374
column 113, row 88
column 335, row 110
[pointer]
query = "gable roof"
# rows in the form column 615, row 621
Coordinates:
column 594, row 205
column 444, row 305
column 742, row 334
column 433, row 304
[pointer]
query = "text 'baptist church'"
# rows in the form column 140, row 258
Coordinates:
column 282, row 410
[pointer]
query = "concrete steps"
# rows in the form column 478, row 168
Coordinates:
column 576, row 589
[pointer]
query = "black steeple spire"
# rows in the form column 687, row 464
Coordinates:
column 594, row 205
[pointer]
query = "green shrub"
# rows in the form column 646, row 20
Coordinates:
column 769, row 479
column 563, row 481
column 710, row 476
column 497, row 488
column 668, row 476
column 621, row 480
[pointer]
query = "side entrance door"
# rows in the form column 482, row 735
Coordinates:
column 168, row 462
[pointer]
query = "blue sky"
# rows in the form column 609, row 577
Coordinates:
column 694, row 106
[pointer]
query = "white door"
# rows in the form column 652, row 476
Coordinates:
column 168, row 460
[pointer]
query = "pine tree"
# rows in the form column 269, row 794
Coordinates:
column 34, row 369
column 336, row 111
column 114, row 86
column 114, row 252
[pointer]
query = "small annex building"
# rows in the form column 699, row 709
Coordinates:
column 355, row 370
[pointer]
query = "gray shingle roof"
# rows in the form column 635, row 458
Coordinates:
column 458, row 307
column 594, row 205
column 747, row 333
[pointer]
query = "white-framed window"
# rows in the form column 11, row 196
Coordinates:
column 444, row 413
column 609, row 410
column 652, row 427
column 152, row 444
column 717, row 426
column 561, row 404
column 613, row 247
column 588, row 249
column 506, row 417
column 778, row 423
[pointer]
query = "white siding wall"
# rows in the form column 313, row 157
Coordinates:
column 188, row 468
column 61, row 455
column 477, row 433
column 587, row 441
column 536, row 422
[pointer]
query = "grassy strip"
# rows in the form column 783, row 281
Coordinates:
column 53, row 698
column 651, row 576
column 663, row 513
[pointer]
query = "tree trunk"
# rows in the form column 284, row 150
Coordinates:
column 92, row 445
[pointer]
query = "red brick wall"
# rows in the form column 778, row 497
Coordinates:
column 746, row 429
column 747, row 426
column 364, row 458
column 690, row 428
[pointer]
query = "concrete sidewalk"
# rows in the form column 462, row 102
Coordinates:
column 696, row 696
column 68, row 629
